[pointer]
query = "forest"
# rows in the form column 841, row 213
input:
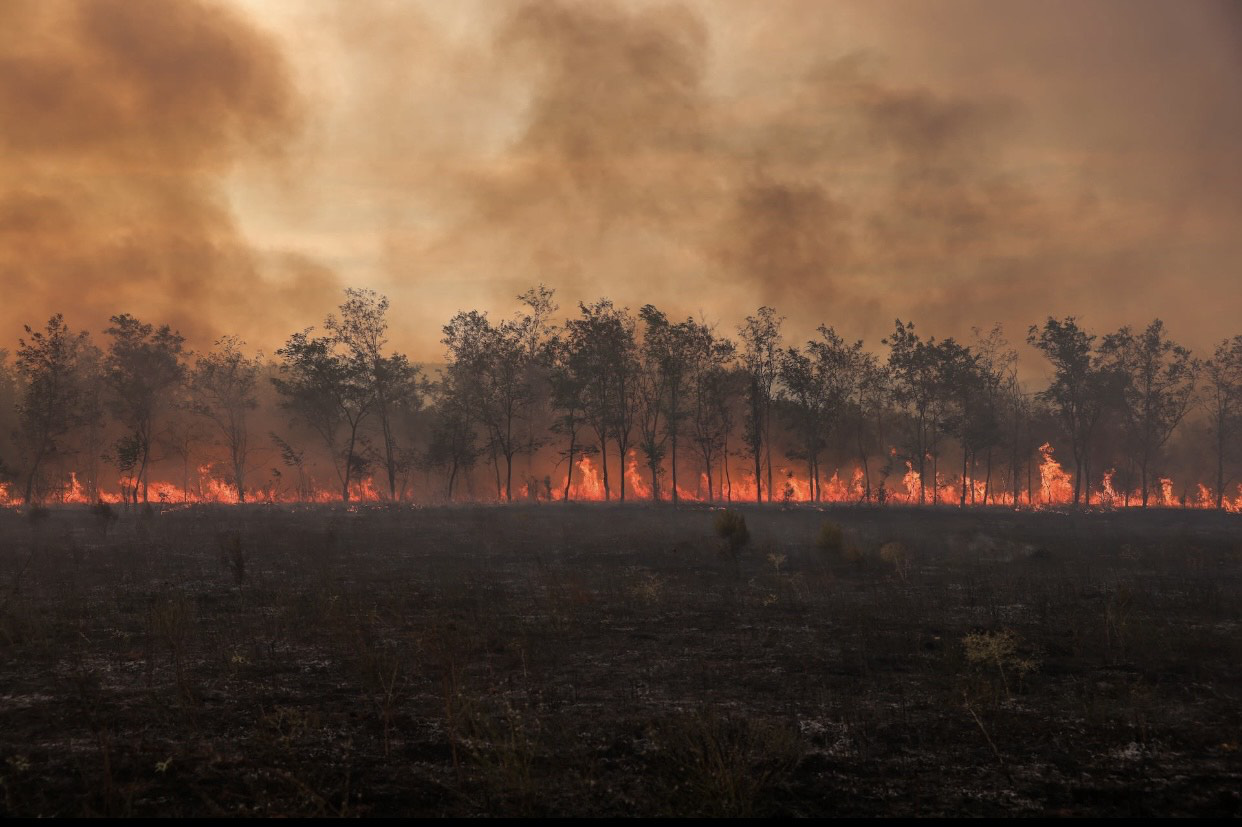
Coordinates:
column 604, row 403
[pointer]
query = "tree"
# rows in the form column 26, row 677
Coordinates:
column 602, row 354
column 454, row 441
column 867, row 392
column 760, row 358
column 984, row 429
column 222, row 390
column 1156, row 379
column 1223, row 399
column 916, row 368
column 808, row 406
column 714, row 389
column 1079, row 393
column 569, row 381
column 963, row 382
column 144, row 364
column 362, row 329
column 671, row 353
column 51, row 400
column 651, row 391
column 840, row 371
column 332, row 393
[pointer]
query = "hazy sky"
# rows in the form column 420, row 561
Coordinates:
column 229, row 167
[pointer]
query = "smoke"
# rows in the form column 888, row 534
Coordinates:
column 957, row 163
column 119, row 122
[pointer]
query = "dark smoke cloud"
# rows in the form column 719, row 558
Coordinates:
column 957, row 163
column 119, row 120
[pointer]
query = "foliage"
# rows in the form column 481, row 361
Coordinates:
column 731, row 527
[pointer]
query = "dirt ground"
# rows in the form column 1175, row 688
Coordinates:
column 619, row 660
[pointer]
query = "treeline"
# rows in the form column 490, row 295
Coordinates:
column 673, row 408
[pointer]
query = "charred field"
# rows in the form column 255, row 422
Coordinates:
column 619, row 660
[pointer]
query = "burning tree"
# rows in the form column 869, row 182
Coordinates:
column 761, row 360
column 715, row 387
column 1155, row 385
column 1079, row 393
column 143, row 366
column 1223, row 398
column 671, row 355
column 222, row 390
column 362, row 329
column 492, row 366
column 601, row 354
column 50, row 405
column 922, row 373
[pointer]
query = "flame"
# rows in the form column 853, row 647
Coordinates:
column 912, row 481
column 1204, row 498
column 638, row 487
column 1055, row 487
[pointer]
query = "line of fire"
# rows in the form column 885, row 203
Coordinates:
column 606, row 404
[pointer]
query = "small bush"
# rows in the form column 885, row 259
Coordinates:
column 725, row 766
column 731, row 527
column 999, row 649
column 898, row 556
column 105, row 516
column 831, row 538
column 233, row 557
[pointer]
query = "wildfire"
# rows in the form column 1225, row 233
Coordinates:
column 203, row 485
column 1055, row 487
column 913, row 481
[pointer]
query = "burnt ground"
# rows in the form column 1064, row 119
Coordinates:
column 619, row 661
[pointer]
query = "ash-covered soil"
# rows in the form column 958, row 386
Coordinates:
column 565, row 660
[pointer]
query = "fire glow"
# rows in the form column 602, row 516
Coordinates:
column 1055, row 489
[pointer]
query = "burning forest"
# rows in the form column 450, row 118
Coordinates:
column 614, row 408
column 607, row 404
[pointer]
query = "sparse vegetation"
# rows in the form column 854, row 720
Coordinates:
column 831, row 539
column 731, row 527
column 528, row 661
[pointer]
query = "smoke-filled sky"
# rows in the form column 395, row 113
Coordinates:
column 229, row 167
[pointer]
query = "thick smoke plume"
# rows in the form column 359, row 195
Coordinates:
column 956, row 163
column 119, row 122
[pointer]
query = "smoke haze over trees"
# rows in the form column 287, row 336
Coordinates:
column 231, row 165
column 603, row 403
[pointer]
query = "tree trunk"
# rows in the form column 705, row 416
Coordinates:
column 569, row 477
column 674, row 466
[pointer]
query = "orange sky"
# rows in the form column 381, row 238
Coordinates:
column 229, row 167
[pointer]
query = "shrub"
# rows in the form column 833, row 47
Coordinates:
column 999, row 649
column 898, row 556
column 731, row 527
column 831, row 538
column 725, row 766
